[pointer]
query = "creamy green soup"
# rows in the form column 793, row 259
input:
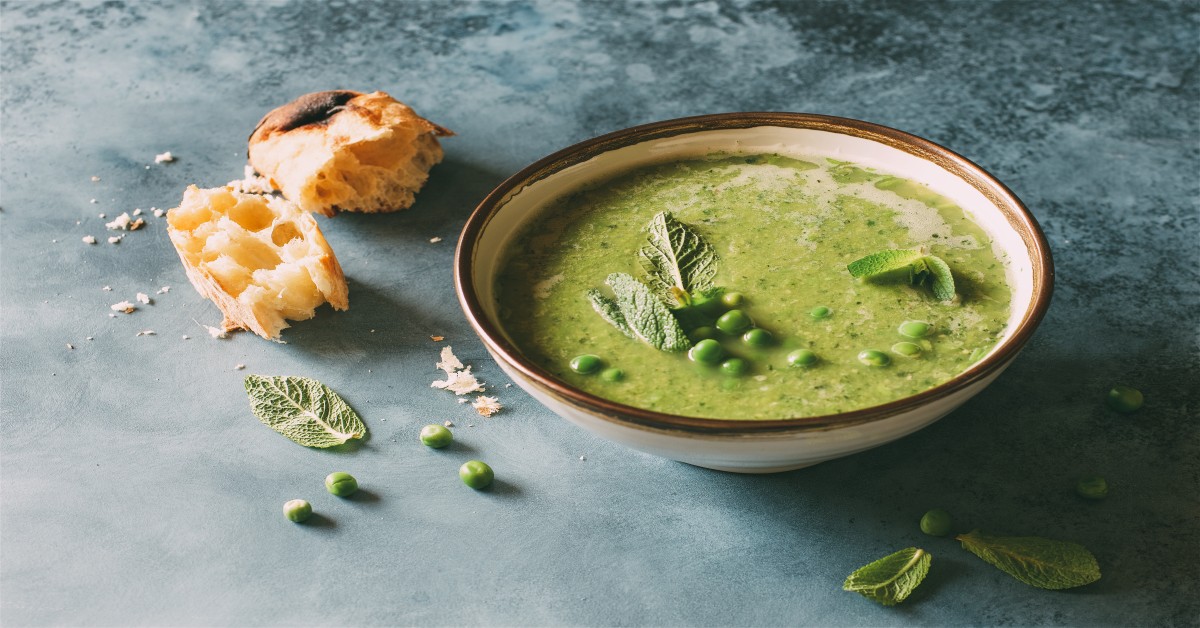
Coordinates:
column 785, row 230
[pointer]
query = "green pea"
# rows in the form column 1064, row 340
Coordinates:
column 733, row 322
column 758, row 337
column 341, row 484
column 915, row 329
column 612, row 374
column 732, row 299
column 937, row 522
column 735, row 367
column 802, row 358
column 871, row 357
column 1092, row 487
column 586, row 364
column 1124, row 399
column 297, row 510
column 702, row 332
column 476, row 474
column 820, row 312
column 436, row 436
column 707, row 351
column 907, row 349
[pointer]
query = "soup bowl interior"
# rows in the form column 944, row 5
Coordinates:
column 754, row 446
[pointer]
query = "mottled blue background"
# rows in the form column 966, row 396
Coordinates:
column 136, row 487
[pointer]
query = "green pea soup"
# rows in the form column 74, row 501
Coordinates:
column 785, row 228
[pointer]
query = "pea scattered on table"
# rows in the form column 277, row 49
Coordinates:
column 436, row 436
column 476, row 474
column 937, row 522
column 1092, row 487
column 1125, row 399
column 341, row 484
column 297, row 510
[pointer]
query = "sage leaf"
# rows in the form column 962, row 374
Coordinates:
column 884, row 261
column 677, row 260
column 304, row 410
column 1036, row 561
column 609, row 311
column 646, row 317
column 892, row 578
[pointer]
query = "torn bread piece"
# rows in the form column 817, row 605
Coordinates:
column 346, row 151
column 261, row 259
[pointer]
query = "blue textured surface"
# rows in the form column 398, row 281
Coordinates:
column 138, row 489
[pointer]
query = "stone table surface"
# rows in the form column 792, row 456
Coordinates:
column 137, row 489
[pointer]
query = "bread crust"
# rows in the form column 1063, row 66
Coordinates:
column 197, row 222
column 342, row 150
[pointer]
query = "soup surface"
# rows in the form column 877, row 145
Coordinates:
column 784, row 230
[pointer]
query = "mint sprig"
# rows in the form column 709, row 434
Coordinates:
column 679, row 262
column 891, row 579
column 639, row 313
column 923, row 269
column 304, row 410
column 1036, row 561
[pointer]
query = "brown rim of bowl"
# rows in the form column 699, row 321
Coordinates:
column 996, row 192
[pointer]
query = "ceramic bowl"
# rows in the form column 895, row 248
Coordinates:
column 734, row 445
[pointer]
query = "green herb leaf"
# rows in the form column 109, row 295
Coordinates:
column 922, row 268
column 609, row 311
column 677, row 260
column 304, row 410
column 646, row 317
column 943, row 280
column 1038, row 562
column 884, row 261
column 892, row 578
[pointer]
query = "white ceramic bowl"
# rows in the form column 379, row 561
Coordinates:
column 752, row 446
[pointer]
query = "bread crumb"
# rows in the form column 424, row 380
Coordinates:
column 70, row 346
column 120, row 222
column 101, row 216
column 87, row 239
column 106, row 289
column 147, row 332
column 137, row 211
column 239, row 367
column 186, row 337
column 216, row 332
column 459, row 382
column 93, row 202
column 95, row 178
column 463, row 400
column 123, row 306
column 158, row 213
column 142, row 298
column 434, row 240
column 437, row 338
column 111, row 315
column 449, row 362
column 486, row 406
column 88, row 338
column 162, row 158
column 448, row 423
column 583, row 457
column 115, row 239
column 163, row 290
column 508, row 385
column 251, row 183
column 137, row 224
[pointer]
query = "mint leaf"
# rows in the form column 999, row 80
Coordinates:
column 609, row 311
column 677, row 260
column 943, row 280
column 884, row 261
column 1038, row 562
column 922, row 268
column 892, row 578
column 646, row 317
column 304, row 410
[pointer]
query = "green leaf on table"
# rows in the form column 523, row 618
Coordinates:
column 892, row 578
column 639, row 313
column 1036, row 561
column 677, row 260
column 304, row 410
column 923, row 268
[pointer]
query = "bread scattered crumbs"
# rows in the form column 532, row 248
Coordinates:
column 216, row 332
column 87, row 239
column 115, row 239
column 463, row 400
column 434, row 240
column 437, row 338
column 448, row 423
column 111, row 315
column 158, row 213
column 70, row 346
column 124, row 306
column 142, row 298
column 100, row 216
column 95, row 178
column 449, row 363
column 250, row 183
column 486, row 406
column 107, row 289
column 147, row 332
column 239, row 367
column 459, row 382
column 186, row 337
column 93, row 202
column 120, row 222
column 89, row 338
column 164, row 158
column 163, row 290
column 583, row 457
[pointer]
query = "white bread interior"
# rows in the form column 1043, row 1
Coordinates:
column 346, row 151
column 261, row 259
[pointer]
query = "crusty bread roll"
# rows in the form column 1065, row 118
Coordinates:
column 261, row 259
column 346, row 151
